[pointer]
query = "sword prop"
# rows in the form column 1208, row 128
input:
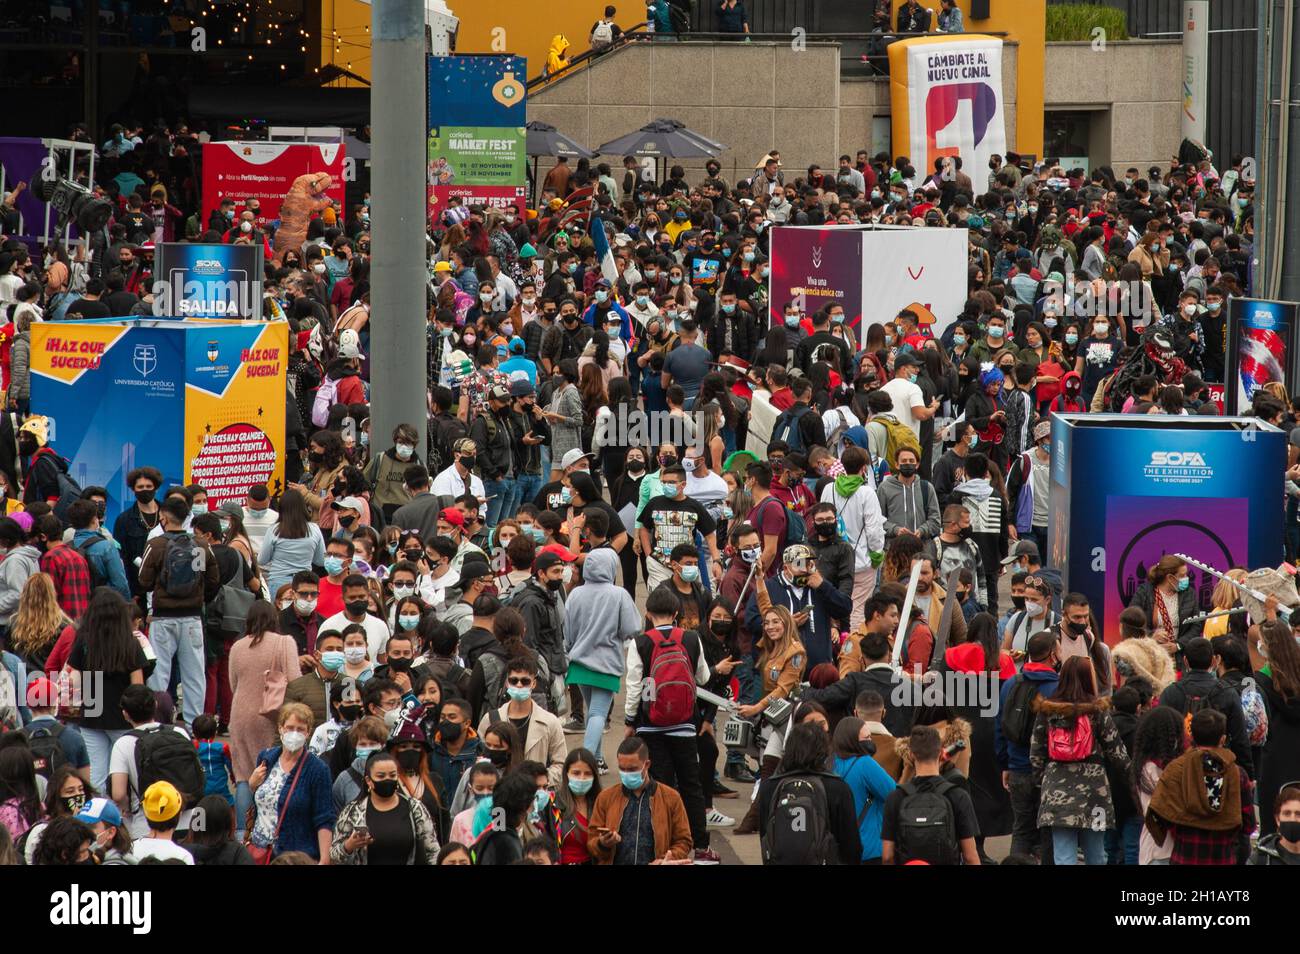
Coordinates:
column 907, row 611
column 753, row 567
column 1215, row 615
column 730, row 705
column 1283, row 612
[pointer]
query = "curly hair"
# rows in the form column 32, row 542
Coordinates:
column 900, row 553
column 61, row 842
column 1158, row 739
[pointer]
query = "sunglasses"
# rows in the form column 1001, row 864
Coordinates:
column 519, row 681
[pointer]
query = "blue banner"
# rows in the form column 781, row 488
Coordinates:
column 209, row 281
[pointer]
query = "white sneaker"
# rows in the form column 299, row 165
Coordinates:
column 716, row 819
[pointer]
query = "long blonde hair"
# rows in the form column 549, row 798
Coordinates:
column 39, row 619
column 1225, row 594
column 789, row 637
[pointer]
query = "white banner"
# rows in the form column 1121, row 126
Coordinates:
column 905, row 267
column 1196, row 58
column 954, row 104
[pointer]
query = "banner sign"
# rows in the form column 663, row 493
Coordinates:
column 477, row 141
column 265, row 171
column 210, row 281
column 1208, row 487
column 1261, row 345
column 202, row 401
column 946, row 97
column 873, row 272
column 1196, row 63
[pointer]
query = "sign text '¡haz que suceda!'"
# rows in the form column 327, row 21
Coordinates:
column 74, row 355
column 260, row 362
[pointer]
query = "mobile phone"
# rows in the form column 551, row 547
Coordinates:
column 363, row 831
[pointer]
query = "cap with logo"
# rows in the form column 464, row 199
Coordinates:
column 161, row 802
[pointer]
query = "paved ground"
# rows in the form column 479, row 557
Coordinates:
column 739, row 849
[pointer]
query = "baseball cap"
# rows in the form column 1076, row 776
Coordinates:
column 100, row 810
column 453, row 516
column 905, row 359
column 561, row 553
column 499, row 392
column 517, row 345
column 521, row 387
column 572, row 457
column 161, row 802
column 474, row 568
column 232, row 508
column 1023, row 548
column 347, row 503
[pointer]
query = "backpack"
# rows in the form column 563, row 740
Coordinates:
column 797, row 823
column 228, row 611
column 835, row 440
column 927, row 826
column 1192, row 705
column 494, row 674
column 164, row 755
column 444, row 432
column 898, row 436
column 1072, row 743
column 179, row 576
column 796, row 529
column 602, row 37
column 47, row 750
column 1018, row 715
column 670, row 680
column 97, row 579
column 325, row 399
column 786, row 428
column 1255, row 713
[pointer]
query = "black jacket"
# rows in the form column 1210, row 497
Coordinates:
column 840, row 696
column 1145, row 599
column 744, row 335
column 528, row 457
column 1220, row 696
column 543, row 614
column 131, row 532
column 944, row 477
column 43, row 476
column 492, row 432
column 224, row 854
column 842, row 823
column 806, row 349
column 835, row 563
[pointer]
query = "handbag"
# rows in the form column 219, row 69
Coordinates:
column 261, row 855
column 277, row 681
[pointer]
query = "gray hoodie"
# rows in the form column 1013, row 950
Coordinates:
column 912, row 507
column 16, row 569
column 599, row 617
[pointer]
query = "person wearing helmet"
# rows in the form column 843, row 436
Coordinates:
column 42, row 464
column 813, row 601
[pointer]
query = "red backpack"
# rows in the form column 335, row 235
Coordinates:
column 670, row 682
column 1072, row 744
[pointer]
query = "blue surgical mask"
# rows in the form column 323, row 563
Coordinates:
column 670, row 490
column 537, row 533
column 792, row 321
column 749, row 256
column 445, row 332
column 580, row 786
column 642, row 300
column 728, row 308
column 690, row 573
column 613, row 331
column 333, row 565
column 408, row 622
column 601, row 295
column 958, row 340
column 1071, row 338
column 519, row 693
column 974, row 440
column 838, row 319
column 996, row 331
column 572, row 267
column 541, row 800
column 911, row 378
column 1050, row 322
column 1184, row 583
column 332, row 659
column 631, row 780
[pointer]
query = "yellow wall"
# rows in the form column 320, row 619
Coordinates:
column 529, row 25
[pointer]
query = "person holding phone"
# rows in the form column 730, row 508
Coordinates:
column 384, row 825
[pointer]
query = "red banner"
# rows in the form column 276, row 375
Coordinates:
column 491, row 197
column 265, row 171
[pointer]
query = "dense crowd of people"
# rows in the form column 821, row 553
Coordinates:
column 797, row 551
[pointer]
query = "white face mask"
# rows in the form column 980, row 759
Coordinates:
column 293, row 740
column 1035, row 610
column 354, row 654
column 404, row 451
column 305, row 607
column 319, row 268
column 392, row 717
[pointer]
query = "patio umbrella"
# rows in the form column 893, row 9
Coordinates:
column 663, row 138
column 545, row 140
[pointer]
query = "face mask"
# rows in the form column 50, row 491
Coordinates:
column 581, row 786
column 1032, row 608
column 293, row 741
column 450, row 731
column 1078, row 629
column 907, row 470
column 508, row 329
column 792, row 321
column 996, row 331
column 540, row 800
column 356, row 607
column 566, row 495
column 445, row 332
column 1184, row 583
column 613, row 332
column 354, row 654
column 469, row 339
column 601, row 296
column 408, row 622
column 388, row 787
column 1214, row 306
column 1100, row 327
column 144, row 496
column 519, row 693
column 319, row 268
column 675, row 279
column 631, row 780
column 346, row 522
column 1189, row 310
column 332, row 660
column 572, row 267
column 965, row 533
column 670, row 489
column 75, row 803
column 911, row 378
column 690, row 573
column 402, row 592
column 635, row 466
column 333, row 565
column 749, row 256
column 751, row 554
column 1071, row 338
column 652, row 273
column 538, row 534
column 392, row 717
column 958, row 340
column 1289, row 830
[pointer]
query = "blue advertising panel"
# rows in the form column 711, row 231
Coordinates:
column 210, row 281
column 1139, row 488
column 482, row 90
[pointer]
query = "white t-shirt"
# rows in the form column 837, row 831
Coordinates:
column 710, row 490
column 376, row 632
column 450, row 483
column 905, row 396
column 122, row 761
column 159, row 848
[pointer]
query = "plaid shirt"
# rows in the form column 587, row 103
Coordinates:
column 71, row 577
column 1196, row 846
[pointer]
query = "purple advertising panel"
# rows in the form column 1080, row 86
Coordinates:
column 20, row 161
column 816, row 267
column 1140, row 530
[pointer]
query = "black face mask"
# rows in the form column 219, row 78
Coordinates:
column 635, row 466
column 346, row 522
column 413, row 555
column 144, row 496
column 450, row 731
column 357, row 607
column 825, row 530
column 101, row 508
column 1018, row 602
column 315, row 456
column 1289, row 830
column 722, row 627
column 555, row 585
column 26, row 445
column 409, row 760
column 386, row 788
column 350, row 713
column 965, row 533
column 499, row 757
column 907, row 470
column 399, row 665
column 1078, row 629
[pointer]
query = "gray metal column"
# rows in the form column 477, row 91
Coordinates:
column 399, row 272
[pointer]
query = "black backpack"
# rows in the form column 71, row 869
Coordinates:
column 798, row 820
column 182, row 567
column 927, row 828
column 786, row 427
column 1018, row 714
column 97, row 579
column 47, row 750
column 164, row 755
